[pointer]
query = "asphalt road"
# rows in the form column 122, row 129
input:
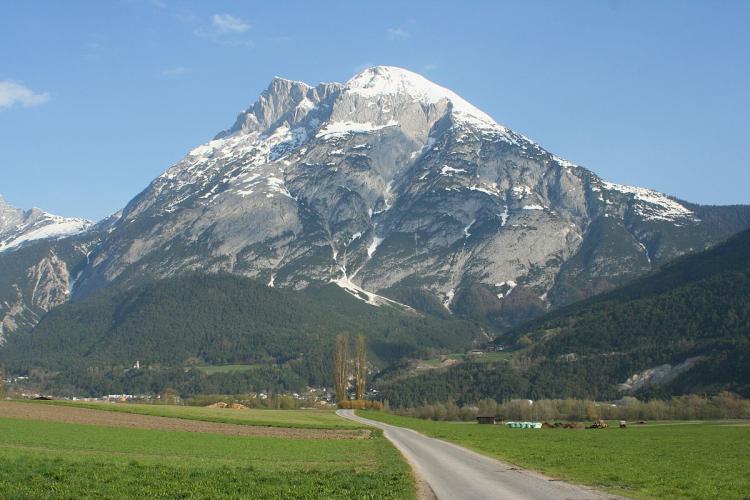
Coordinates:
column 453, row 472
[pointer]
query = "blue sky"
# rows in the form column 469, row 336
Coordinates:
column 98, row 98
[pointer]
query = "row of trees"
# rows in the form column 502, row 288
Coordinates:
column 83, row 381
column 725, row 405
column 345, row 364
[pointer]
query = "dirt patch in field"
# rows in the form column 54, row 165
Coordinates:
column 69, row 415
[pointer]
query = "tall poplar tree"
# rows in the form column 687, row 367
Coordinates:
column 360, row 371
column 341, row 364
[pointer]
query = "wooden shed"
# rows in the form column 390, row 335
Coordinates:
column 486, row 419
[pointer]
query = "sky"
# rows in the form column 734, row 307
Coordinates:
column 97, row 98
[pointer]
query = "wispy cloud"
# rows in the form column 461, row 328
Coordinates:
column 226, row 29
column 397, row 34
column 175, row 71
column 430, row 67
column 14, row 93
column 227, row 23
column 159, row 4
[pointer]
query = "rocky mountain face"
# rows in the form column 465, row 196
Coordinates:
column 37, row 258
column 390, row 186
column 397, row 189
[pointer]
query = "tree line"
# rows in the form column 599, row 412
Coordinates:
column 725, row 405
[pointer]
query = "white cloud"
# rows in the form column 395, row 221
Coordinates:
column 12, row 93
column 226, row 29
column 397, row 34
column 227, row 23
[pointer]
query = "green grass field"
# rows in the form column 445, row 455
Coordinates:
column 209, row 370
column 304, row 419
column 61, row 460
column 696, row 460
column 484, row 357
column 492, row 357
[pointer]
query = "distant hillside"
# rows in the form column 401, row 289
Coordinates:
column 223, row 319
column 684, row 328
column 696, row 309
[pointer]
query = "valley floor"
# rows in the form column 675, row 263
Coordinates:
column 66, row 452
column 686, row 460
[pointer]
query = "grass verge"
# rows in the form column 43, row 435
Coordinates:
column 688, row 460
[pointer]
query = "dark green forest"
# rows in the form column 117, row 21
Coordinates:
column 172, row 325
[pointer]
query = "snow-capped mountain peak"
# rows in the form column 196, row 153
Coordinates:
column 385, row 80
column 19, row 227
column 390, row 183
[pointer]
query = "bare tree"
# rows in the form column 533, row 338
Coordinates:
column 169, row 396
column 360, row 367
column 341, row 364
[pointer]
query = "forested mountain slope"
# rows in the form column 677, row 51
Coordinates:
column 684, row 328
column 694, row 312
column 224, row 319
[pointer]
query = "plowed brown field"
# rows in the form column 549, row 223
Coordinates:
column 71, row 415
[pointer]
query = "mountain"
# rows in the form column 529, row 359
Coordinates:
column 223, row 319
column 20, row 227
column 38, row 259
column 682, row 329
column 392, row 186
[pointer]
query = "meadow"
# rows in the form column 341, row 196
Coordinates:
column 45, row 459
column 303, row 419
column 688, row 460
column 210, row 370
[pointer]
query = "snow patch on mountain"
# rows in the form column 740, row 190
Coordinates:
column 360, row 293
column 449, row 171
column 504, row 216
column 467, row 234
column 341, row 129
column 376, row 241
column 449, row 298
column 654, row 205
column 490, row 189
column 520, row 192
column 505, row 288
